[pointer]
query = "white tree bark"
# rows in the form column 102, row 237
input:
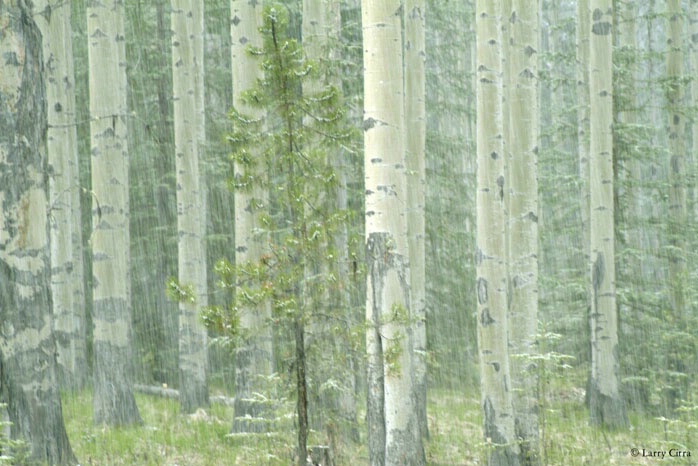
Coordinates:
column 606, row 405
column 254, row 359
column 491, row 260
column 113, row 359
column 67, row 281
column 522, row 138
column 390, row 372
column 187, row 80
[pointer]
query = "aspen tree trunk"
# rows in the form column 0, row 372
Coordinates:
column 491, row 257
column 253, row 358
column 67, row 281
column 114, row 403
column 522, row 174
column 678, row 179
column 415, row 140
column 388, row 339
column 28, row 381
column 187, row 82
column 677, row 162
column 606, row 405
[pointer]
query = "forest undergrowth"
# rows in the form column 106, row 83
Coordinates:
column 169, row 439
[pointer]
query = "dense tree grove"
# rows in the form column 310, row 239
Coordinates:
column 339, row 232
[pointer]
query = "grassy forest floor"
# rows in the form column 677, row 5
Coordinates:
column 166, row 438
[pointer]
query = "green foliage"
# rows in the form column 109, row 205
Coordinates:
column 455, row 422
column 392, row 353
column 179, row 292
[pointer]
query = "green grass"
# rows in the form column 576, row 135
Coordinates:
column 168, row 438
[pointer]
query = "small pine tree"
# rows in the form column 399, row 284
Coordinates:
column 295, row 142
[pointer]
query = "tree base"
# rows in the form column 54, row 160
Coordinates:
column 605, row 410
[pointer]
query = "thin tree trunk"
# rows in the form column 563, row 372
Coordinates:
column 677, row 162
column 187, row 79
column 522, row 138
column 389, row 336
column 582, row 46
column 114, row 402
column 28, row 379
column 253, row 359
column 693, row 33
column 301, row 391
column 491, row 261
column 67, row 281
column 415, row 140
column 606, row 405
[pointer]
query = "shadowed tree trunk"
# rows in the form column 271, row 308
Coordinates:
column 582, row 49
column 677, row 162
column 321, row 29
column 415, row 140
column 693, row 34
column 28, row 381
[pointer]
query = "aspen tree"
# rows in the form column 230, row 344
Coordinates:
column 253, row 358
column 394, row 437
column 606, row 404
column 67, row 276
column 114, row 402
column 187, row 80
column 522, row 203
column 28, row 379
column 491, row 260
